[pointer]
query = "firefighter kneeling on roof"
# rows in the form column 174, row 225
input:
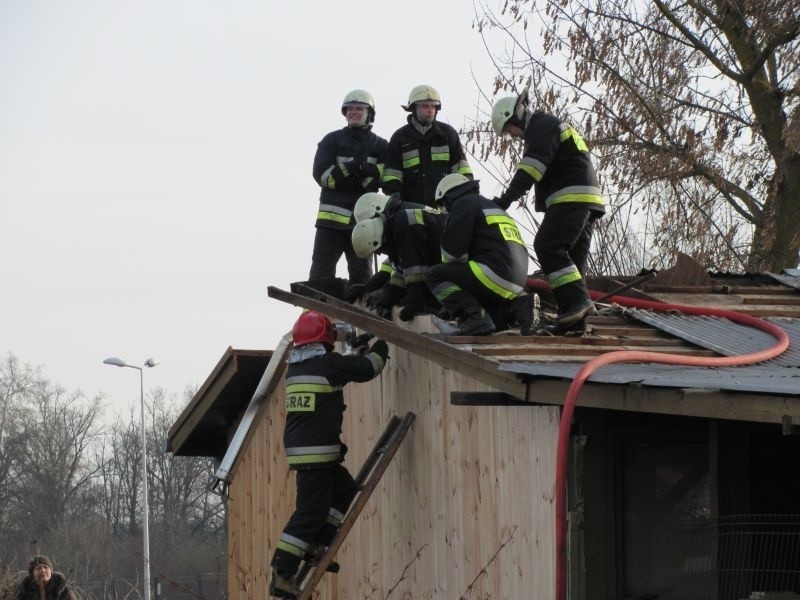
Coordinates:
column 315, row 407
column 485, row 266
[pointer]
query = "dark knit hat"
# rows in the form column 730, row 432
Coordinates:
column 39, row 560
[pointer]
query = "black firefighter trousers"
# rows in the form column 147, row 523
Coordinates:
column 562, row 244
column 323, row 497
column 469, row 294
column 329, row 245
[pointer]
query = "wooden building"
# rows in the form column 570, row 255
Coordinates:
column 663, row 459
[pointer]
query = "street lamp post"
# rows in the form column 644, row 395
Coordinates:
column 150, row 362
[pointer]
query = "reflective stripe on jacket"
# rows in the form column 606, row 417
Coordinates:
column 315, row 403
column 480, row 233
column 412, row 239
column 557, row 164
column 348, row 146
column 416, row 162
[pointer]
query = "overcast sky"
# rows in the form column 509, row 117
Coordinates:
column 155, row 166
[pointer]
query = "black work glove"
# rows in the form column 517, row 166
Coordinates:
column 501, row 202
column 414, row 302
column 380, row 348
column 359, row 344
column 368, row 174
column 382, row 301
column 381, row 304
column 354, row 292
column 377, row 281
column 344, row 179
column 388, row 295
column 409, row 311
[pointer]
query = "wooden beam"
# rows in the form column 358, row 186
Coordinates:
column 486, row 399
column 479, row 368
column 711, row 404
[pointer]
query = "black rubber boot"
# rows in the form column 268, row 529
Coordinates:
column 577, row 312
column 573, row 303
column 476, row 322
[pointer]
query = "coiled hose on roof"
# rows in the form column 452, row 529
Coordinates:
column 622, row 356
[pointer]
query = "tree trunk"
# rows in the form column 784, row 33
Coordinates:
column 776, row 241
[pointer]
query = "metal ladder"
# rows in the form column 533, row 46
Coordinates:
column 310, row 574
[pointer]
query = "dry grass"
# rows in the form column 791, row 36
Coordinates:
column 8, row 583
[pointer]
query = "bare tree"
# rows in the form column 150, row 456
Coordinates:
column 181, row 501
column 15, row 381
column 57, row 430
column 691, row 109
column 119, row 457
column 70, row 486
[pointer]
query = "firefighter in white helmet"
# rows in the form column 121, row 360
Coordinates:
column 556, row 163
column 369, row 205
column 423, row 151
column 410, row 236
column 348, row 163
column 485, row 261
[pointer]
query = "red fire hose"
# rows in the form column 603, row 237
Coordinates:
column 622, row 356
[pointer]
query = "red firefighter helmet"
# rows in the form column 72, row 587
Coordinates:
column 313, row 327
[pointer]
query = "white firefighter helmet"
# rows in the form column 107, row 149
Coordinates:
column 369, row 205
column 508, row 107
column 367, row 236
column 448, row 182
column 360, row 98
column 422, row 93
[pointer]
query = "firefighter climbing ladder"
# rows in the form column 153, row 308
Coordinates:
column 366, row 480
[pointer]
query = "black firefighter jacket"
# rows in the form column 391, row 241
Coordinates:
column 480, row 233
column 416, row 162
column 412, row 239
column 350, row 146
column 315, row 405
column 556, row 162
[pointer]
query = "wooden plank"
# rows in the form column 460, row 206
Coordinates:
column 710, row 404
column 633, row 330
column 568, row 353
column 775, row 300
column 560, row 342
column 426, row 347
column 620, row 336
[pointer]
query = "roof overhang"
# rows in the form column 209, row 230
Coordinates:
column 205, row 426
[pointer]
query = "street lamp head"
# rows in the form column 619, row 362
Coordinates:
column 117, row 362
column 150, row 362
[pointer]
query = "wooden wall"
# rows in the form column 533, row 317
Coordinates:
column 468, row 484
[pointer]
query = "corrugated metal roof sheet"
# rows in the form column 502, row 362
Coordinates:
column 784, row 381
column 778, row 376
column 722, row 335
column 789, row 277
